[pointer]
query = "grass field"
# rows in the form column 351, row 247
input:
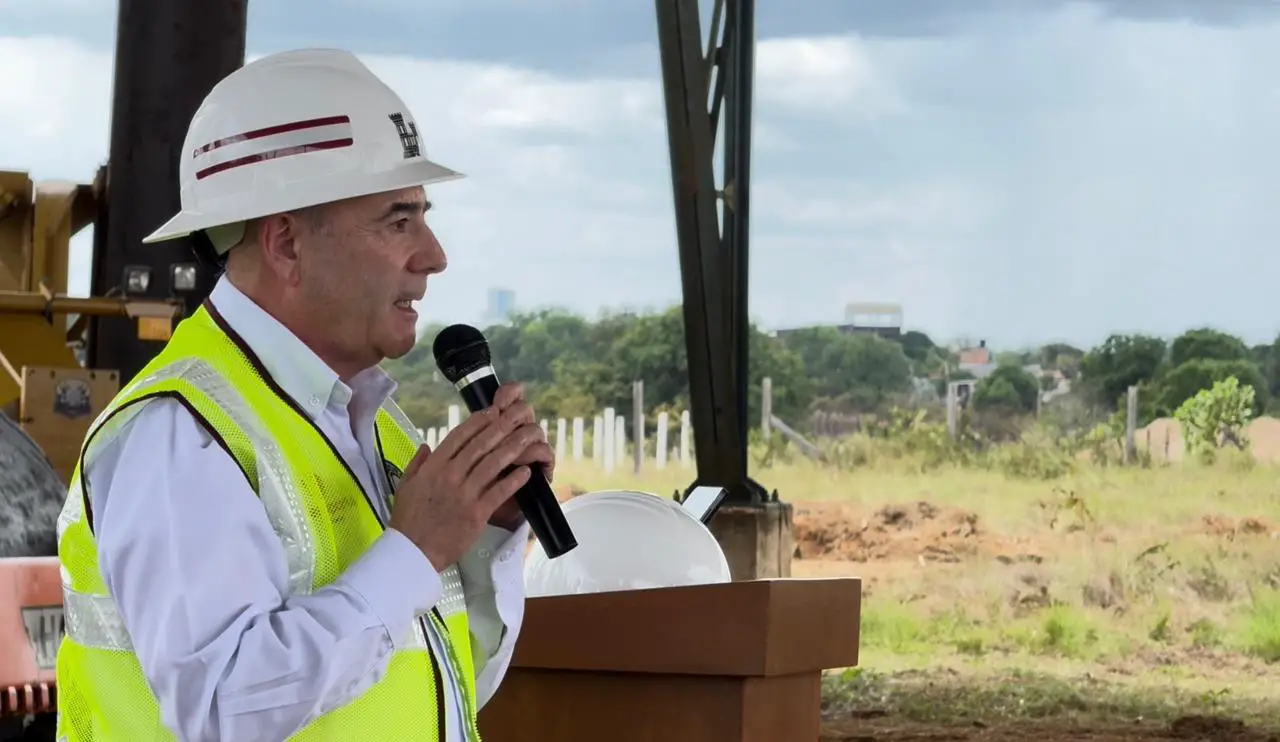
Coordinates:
column 1112, row 602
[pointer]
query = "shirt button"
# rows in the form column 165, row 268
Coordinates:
column 315, row 401
column 485, row 553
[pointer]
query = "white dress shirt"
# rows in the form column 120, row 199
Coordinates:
column 201, row 581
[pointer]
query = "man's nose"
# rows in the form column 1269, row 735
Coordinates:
column 429, row 258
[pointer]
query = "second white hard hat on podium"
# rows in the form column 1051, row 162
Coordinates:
column 628, row 540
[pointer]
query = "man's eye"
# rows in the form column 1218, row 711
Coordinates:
column 400, row 225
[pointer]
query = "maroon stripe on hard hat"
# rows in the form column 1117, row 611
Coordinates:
column 271, row 130
column 271, row 155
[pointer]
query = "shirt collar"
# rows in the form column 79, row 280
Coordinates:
column 302, row 374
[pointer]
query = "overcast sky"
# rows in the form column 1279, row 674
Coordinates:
column 1017, row 171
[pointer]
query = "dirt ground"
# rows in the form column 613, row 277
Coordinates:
column 891, row 543
column 1163, row 438
column 887, row 546
column 1199, row 728
column 919, row 532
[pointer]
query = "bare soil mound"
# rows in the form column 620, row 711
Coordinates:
column 920, row 530
column 1163, row 438
column 1230, row 528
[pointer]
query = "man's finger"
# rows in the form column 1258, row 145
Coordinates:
column 419, row 458
column 508, row 394
column 503, row 489
column 460, row 436
column 538, row 453
column 490, row 466
column 519, row 413
column 490, row 439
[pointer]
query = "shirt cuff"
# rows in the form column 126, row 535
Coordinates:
column 494, row 554
column 397, row 581
column 507, row 567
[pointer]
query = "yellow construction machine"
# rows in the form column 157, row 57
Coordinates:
column 43, row 384
column 47, row 401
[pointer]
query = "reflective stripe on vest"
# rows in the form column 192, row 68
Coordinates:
column 96, row 640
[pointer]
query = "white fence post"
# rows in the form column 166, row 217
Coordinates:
column 660, row 441
column 620, row 438
column 686, row 433
column 610, row 433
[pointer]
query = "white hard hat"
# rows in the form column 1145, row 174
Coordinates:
column 293, row 130
column 627, row 541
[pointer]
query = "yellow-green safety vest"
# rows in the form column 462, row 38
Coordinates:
column 317, row 506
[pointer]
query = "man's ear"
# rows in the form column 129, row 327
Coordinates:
column 277, row 238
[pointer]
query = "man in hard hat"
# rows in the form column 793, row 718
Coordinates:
column 256, row 545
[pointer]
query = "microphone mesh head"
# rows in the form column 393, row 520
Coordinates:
column 459, row 350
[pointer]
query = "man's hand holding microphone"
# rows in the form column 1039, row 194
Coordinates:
column 447, row 496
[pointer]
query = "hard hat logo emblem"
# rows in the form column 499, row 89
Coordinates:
column 408, row 132
column 71, row 398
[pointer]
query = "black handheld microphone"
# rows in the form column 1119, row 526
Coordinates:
column 462, row 355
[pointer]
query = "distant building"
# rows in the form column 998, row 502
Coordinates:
column 884, row 320
column 501, row 305
column 979, row 361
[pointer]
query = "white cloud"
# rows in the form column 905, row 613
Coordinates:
column 824, row 75
column 937, row 207
column 435, row 6
column 1040, row 174
column 41, row 8
column 539, row 152
column 54, row 106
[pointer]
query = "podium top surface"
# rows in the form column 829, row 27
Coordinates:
column 755, row 628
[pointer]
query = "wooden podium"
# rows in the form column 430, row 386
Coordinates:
column 733, row 662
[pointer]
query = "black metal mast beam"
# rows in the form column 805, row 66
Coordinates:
column 713, row 259
column 169, row 54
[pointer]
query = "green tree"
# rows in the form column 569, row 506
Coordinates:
column 856, row 372
column 1215, row 417
column 925, row 356
column 652, row 348
column 544, row 338
column 863, row 372
column 1121, row 361
column 1197, row 374
column 1270, row 365
column 810, row 344
column 1062, row 357
column 574, row 367
column 1207, row 343
column 791, row 388
column 1008, row 389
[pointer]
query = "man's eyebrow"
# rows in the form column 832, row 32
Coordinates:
column 405, row 207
